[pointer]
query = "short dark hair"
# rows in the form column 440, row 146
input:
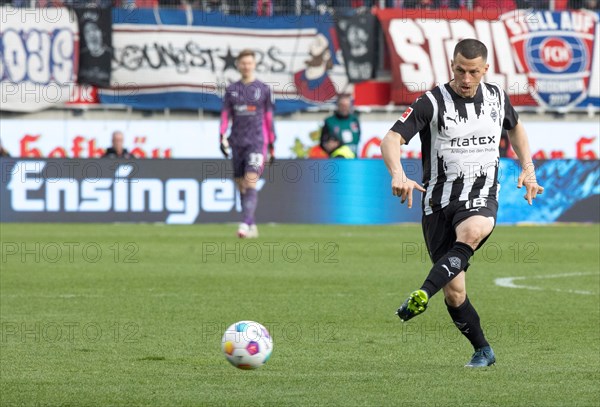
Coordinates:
column 246, row 53
column 344, row 96
column 471, row 48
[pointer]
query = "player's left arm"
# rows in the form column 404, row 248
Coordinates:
column 520, row 143
column 269, row 127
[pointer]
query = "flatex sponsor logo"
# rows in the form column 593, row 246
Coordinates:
column 472, row 141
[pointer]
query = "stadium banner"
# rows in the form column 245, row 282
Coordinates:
column 358, row 41
column 541, row 58
column 40, row 53
column 295, row 139
column 184, row 60
column 95, row 47
column 202, row 191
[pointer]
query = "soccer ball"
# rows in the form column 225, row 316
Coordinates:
column 247, row 345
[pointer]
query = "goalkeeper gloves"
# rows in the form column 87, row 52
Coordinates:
column 225, row 148
column 270, row 153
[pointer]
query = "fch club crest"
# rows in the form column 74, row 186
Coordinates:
column 555, row 50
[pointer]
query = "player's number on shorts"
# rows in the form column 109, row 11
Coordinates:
column 476, row 203
column 255, row 160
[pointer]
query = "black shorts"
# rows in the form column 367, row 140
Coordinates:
column 439, row 228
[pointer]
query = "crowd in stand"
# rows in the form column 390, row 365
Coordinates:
column 282, row 7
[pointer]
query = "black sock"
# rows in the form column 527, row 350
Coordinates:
column 447, row 268
column 466, row 320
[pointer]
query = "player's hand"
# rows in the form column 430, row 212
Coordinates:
column 403, row 188
column 532, row 188
column 225, row 148
column 271, row 154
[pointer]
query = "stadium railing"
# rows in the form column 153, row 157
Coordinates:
column 299, row 7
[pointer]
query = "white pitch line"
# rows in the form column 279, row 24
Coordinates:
column 563, row 275
column 509, row 282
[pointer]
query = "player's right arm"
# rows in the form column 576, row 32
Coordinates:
column 225, row 113
column 402, row 186
column 412, row 121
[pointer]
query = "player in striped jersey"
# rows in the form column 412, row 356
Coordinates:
column 249, row 104
column 460, row 124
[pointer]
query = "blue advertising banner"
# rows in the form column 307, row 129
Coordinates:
column 178, row 60
column 572, row 193
column 291, row 191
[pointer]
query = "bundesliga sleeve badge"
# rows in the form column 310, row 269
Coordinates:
column 406, row 114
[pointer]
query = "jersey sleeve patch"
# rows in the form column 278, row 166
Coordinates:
column 406, row 114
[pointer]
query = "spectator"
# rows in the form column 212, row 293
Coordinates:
column 314, row 6
column 342, row 152
column 341, row 129
column 264, row 7
column 533, row 4
column 3, row 151
column 211, row 6
column 500, row 6
column 241, row 7
column 117, row 150
column 424, row 4
column 587, row 4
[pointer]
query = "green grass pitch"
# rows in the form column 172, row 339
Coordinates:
column 134, row 314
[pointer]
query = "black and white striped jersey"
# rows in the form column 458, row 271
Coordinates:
column 459, row 141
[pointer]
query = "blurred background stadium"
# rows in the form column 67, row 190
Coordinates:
column 74, row 72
